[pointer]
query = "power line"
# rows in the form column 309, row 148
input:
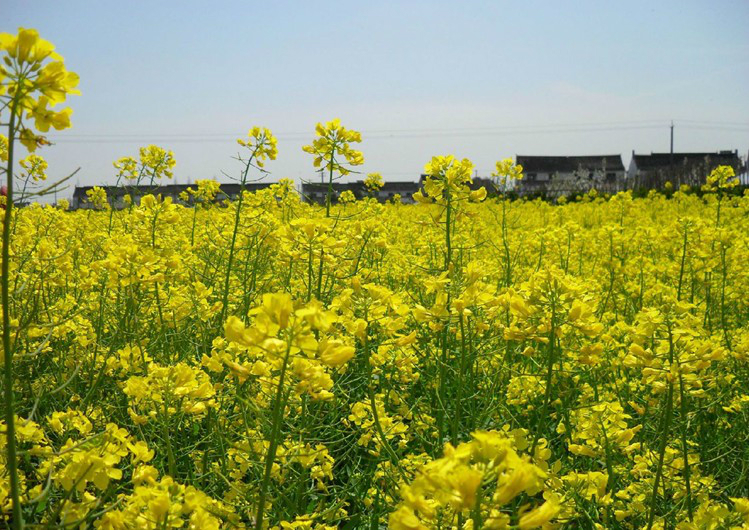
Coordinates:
column 710, row 122
column 384, row 134
column 716, row 128
column 197, row 140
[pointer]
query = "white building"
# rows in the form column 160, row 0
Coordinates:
column 565, row 175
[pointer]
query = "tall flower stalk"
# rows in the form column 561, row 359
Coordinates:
column 262, row 145
column 33, row 80
column 447, row 184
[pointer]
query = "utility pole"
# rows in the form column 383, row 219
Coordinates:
column 671, row 155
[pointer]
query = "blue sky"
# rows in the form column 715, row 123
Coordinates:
column 478, row 79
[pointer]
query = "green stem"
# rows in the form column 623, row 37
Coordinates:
column 381, row 433
column 684, row 447
column 229, row 263
column 549, row 374
column 233, row 243
column 376, row 416
column 10, row 425
column 724, row 274
column 717, row 216
column 171, row 463
column 329, row 194
column 441, row 411
column 320, row 271
column 309, row 273
column 505, row 244
column 442, row 374
column 459, row 398
column 478, row 524
column 682, row 396
column 683, row 259
column 448, row 239
column 664, row 432
column 279, row 404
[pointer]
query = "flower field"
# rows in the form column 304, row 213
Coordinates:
column 569, row 355
column 462, row 362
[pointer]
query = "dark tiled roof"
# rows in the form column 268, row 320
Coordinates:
column 569, row 164
column 316, row 191
column 663, row 160
column 479, row 182
column 358, row 186
column 308, row 187
column 398, row 186
column 166, row 189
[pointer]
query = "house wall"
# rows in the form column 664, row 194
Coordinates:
column 632, row 170
column 556, row 184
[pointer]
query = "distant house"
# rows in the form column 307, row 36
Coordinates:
column 116, row 194
column 563, row 175
column 655, row 169
column 316, row 192
column 743, row 174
